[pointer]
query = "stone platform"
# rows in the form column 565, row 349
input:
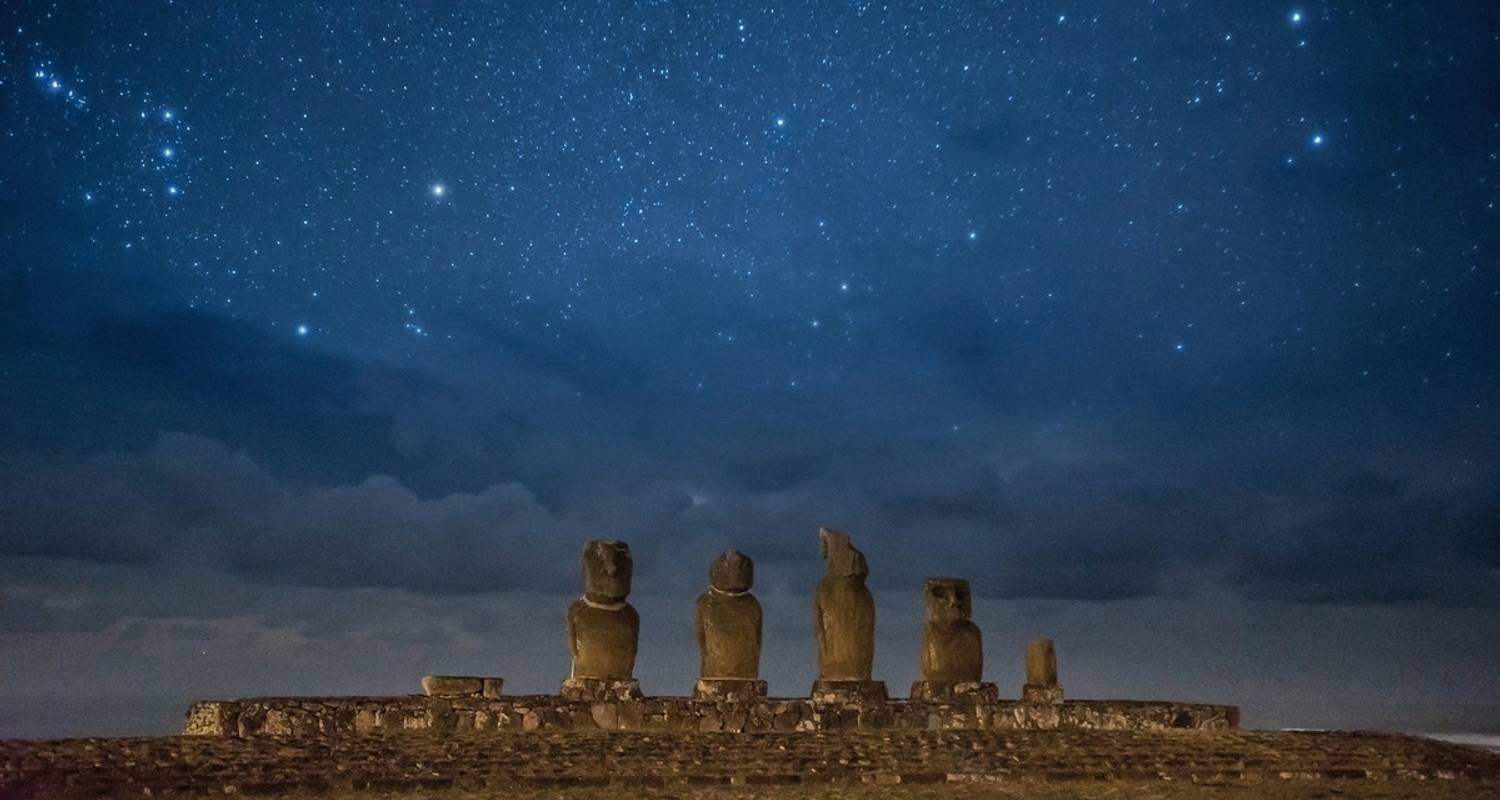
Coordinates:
column 474, row 765
column 311, row 716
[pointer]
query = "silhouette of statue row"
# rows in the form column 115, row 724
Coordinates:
column 603, row 630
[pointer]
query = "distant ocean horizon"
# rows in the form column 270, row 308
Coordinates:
column 1488, row 741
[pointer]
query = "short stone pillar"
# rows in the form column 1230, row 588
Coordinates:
column 844, row 625
column 603, row 629
column 951, row 667
column 462, row 686
column 1041, row 674
column 728, row 628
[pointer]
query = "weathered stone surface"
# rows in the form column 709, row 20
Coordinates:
column 594, row 690
column 954, row 692
column 848, row 692
column 627, row 765
column 729, row 690
column 1034, row 693
column 1041, row 673
column 492, row 688
column 843, row 612
column 603, row 629
column 452, row 685
column 729, row 621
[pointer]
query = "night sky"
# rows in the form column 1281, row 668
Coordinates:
column 330, row 332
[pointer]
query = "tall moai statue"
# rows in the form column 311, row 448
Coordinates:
column 844, row 624
column 602, row 628
column 728, row 627
column 1041, row 674
column 952, row 659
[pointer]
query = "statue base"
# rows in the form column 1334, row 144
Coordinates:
column 845, row 692
column 729, row 690
column 954, row 692
column 601, row 690
column 1050, row 694
column 462, row 686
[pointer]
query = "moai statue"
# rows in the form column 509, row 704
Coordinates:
column 844, row 624
column 952, row 662
column 1041, row 674
column 728, row 626
column 603, row 628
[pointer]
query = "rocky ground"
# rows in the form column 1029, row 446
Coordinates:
column 1000, row 764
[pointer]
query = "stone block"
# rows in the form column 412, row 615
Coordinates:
column 1041, row 693
column 848, row 692
column 452, row 685
column 729, row 690
column 599, row 690
column 954, row 692
column 492, row 688
column 209, row 719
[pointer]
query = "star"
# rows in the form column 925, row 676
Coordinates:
column 303, row 330
column 438, row 190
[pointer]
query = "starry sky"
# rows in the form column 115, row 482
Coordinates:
column 329, row 333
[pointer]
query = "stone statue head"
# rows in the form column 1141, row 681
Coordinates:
column 732, row 572
column 606, row 571
column 947, row 599
column 839, row 555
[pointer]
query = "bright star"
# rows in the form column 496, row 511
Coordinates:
column 303, row 330
column 166, row 114
column 438, row 190
column 167, row 152
column 973, row 235
column 1317, row 140
column 781, row 122
column 1296, row 17
column 1179, row 347
column 173, row 190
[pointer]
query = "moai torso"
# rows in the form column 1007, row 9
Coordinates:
column 1041, row 663
column 728, row 621
column 844, row 612
column 602, row 628
column 952, row 650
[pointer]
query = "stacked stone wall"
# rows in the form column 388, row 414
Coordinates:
column 304, row 716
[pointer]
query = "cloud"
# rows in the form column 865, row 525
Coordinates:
column 191, row 499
